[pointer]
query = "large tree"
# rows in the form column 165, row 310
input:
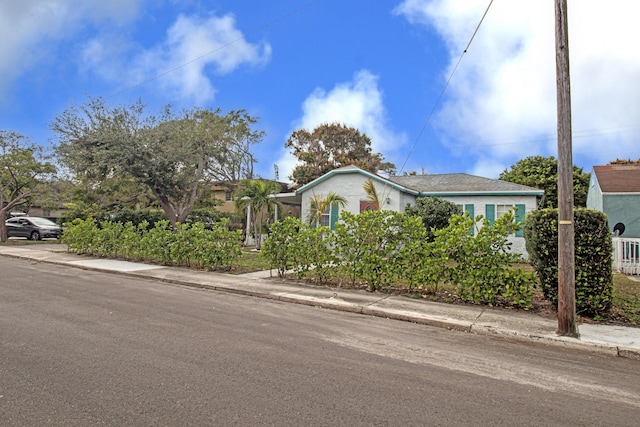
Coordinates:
column 172, row 155
column 24, row 171
column 331, row 146
column 542, row 173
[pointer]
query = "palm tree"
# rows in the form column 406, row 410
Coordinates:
column 257, row 196
column 318, row 205
column 372, row 194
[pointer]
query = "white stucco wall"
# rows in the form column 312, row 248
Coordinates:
column 351, row 187
column 594, row 196
column 480, row 204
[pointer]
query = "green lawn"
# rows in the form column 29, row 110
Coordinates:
column 626, row 304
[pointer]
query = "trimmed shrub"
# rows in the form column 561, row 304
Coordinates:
column 385, row 248
column 593, row 248
column 481, row 265
column 135, row 216
column 295, row 246
column 190, row 245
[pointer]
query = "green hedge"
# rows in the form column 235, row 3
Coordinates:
column 593, row 249
column 208, row 217
column 190, row 245
column 385, row 249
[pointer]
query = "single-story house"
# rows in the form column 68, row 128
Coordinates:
column 615, row 190
column 476, row 195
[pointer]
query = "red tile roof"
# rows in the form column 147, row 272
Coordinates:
column 618, row 178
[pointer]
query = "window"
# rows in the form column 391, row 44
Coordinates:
column 502, row 209
column 325, row 220
column 366, row 205
column 496, row 211
column 227, row 196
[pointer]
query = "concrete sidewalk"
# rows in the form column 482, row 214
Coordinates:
column 518, row 325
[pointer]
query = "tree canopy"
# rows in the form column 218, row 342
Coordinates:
column 23, row 171
column 329, row 147
column 435, row 213
column 171, row 155
column 542, row 173
column 625, row 162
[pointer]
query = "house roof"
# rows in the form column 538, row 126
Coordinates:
column 351, row 169
column 461, row 184
column 452, row 184
column 618, row 178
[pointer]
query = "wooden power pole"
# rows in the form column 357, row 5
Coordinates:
column 566, row 228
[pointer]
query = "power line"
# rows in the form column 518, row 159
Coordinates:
column 444, row 89
column 580, row 134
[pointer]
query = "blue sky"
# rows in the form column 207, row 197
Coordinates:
column 380, row 66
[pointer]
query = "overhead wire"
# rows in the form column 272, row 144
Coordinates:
column 386, row 190
column 386, row 187
column 445, row 87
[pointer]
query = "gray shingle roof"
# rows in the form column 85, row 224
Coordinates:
column 460, row 183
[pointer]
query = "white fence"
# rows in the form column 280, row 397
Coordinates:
column 626, row 255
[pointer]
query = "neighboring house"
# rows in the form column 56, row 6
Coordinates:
column 615, row 190
column 476, row 195
column 53, row 214
column 224, row 193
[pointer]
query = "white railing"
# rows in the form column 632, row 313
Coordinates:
column 626, row 255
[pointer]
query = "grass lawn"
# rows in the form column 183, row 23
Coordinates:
column 626, row 304
column 249, row 262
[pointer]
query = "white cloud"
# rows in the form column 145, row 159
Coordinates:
column 193, row 49
column 502, row 99
column 201, row 43
column 358, row 104
column 182, row 64
column 29, row 30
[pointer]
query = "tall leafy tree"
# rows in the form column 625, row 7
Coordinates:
column 172, row 155
column 330, row 146
column 257, row 196
column 24, row 172
column 542, row 173
column 435, row 213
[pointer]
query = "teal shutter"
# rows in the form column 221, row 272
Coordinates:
column 520, row 219
column 335, row 213
column 490, row 213
column 469, row 209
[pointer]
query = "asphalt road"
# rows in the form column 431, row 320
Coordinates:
column 82, row 348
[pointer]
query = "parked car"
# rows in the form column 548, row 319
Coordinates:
column 33, row 228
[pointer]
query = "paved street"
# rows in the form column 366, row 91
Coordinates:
column 87, row 348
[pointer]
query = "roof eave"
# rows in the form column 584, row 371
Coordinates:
column 482, row 193
column 374, row 177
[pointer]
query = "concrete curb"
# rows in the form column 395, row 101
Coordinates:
column 336, row 303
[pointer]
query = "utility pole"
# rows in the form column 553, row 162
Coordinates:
column 566, row 228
